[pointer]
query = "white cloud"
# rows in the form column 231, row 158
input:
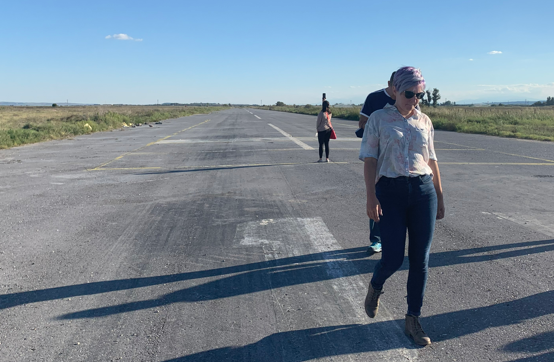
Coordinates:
column 471, row 60
column 122, row 37
column 494, row 52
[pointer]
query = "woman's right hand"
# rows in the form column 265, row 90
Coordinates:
column 374, row 210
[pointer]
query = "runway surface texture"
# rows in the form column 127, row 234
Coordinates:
column 219, row 237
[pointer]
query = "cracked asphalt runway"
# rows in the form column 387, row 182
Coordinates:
column 218, row 237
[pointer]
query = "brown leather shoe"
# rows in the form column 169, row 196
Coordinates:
column 371, row 303
column 414, row 330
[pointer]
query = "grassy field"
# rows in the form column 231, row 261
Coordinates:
column 536, row 123
column 24, row 125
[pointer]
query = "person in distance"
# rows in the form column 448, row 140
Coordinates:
column 404, row 192
column 375, row 101
column 324, row 128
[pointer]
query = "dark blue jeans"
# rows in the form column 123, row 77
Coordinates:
column 408, row 203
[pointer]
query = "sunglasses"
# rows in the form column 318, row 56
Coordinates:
column 409, row 94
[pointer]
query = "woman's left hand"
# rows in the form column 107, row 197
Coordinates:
column 440, row 209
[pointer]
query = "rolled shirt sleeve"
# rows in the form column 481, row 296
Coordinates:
column 431, row 143
column 370, row 140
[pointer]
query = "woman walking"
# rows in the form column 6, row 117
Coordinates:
column 404, row 192
column 324, row 128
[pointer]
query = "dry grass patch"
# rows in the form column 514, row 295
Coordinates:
column 536, row 123
column 23, row 125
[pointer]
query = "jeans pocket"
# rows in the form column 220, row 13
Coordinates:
column 426, row 178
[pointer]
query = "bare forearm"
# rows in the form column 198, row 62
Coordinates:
column 373, row 207
column 441, row 210
column 362, row 121
column 436, row 177
column 370, row 171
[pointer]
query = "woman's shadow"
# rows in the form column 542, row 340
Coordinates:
column 313, row 343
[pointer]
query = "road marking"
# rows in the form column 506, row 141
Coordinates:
column 143, row 147
column 148, row 153
column 339, row 138
column 310, row 241
column 499, row 163
column 176, row 133
column 235, row 140
column 502, row 153
column 258, row 150
column 257, row 117
column 460, row 149
column 230, row 140
column 532, row 158
column 123, row 168
column 295, row 140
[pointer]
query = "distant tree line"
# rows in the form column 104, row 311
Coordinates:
column 432, row 98
column 549, row 102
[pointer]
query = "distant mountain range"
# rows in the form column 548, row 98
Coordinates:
column 513, row 103
column 40, row 104
column 64, row 104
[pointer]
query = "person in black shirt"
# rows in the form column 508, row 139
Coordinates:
column 375, row 101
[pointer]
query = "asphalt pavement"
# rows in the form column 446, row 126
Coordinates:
column 219, row 237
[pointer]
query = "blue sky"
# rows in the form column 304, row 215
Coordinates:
column 258, row 51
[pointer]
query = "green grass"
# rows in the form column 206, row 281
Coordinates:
column 535, row 123
column 518, row 122
column 25, row 125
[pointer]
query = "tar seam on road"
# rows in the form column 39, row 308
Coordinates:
column 192, row 168
column 97, row 168
column 215, row 167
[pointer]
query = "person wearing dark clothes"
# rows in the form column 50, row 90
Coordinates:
column 375, row 101
column 324, row 128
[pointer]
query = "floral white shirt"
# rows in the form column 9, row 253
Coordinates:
column 402, row 147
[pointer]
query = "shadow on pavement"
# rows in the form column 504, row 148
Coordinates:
column 250, row 278
column 288, row 265
column 492, row 253
column 545, row 357
column 304, row 345
column 537, row 343
column 460, row 323
column 256, row 277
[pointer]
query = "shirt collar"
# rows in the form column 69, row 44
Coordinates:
column 393, row 108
